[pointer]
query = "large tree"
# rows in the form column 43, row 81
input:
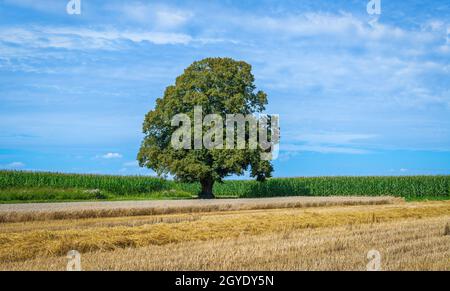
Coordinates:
column 220, row 86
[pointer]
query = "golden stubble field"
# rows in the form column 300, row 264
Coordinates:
column 409, row 236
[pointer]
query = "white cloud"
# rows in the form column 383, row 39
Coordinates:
column 330, row 137
column 71, row 38
column 84, row 38
column 434, row 25
column 379, row 74
column 158, row 16
column 339, row 26
column 324, row 149
column 287, row 155
column 132, row 164
column 138, row 12
column 48, row 6
column 446, row 47
column 331, row 142
column 112, row 156
column 171, row 18
column 15, row 165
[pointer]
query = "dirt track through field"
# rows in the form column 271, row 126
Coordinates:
column 73, row 210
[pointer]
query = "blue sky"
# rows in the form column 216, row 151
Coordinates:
column 356, row 94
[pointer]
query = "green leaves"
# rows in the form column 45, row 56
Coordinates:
column 220, row 86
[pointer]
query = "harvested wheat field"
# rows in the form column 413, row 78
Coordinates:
column 409, row 236
column 50, row 211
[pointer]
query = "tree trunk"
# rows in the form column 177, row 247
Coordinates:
column 207, row 189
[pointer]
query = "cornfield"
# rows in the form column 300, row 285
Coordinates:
column 113, row 184
column 404, row 186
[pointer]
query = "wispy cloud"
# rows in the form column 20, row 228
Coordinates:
column 131, row 164
column 296, row 143
column 14, row 165
column 49, row 6
column 331, row 142
column 109, row 156
column 324, row 149
column 335, row 138
column 160, row 16
column 321, row 24
column 84, row 38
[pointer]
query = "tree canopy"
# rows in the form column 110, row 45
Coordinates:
column 220, row 86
